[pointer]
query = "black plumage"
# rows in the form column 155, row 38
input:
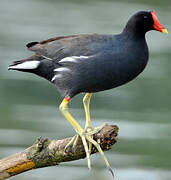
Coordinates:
column 101, row 61
column 90, row 63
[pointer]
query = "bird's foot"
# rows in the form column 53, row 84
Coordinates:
column 72, row 144
column 86, row 136
column 90, row 131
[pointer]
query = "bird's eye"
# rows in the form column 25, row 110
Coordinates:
column 145, row 17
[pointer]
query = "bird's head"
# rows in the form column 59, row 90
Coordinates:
column 144, row 21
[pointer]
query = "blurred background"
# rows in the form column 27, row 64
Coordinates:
column 141, row 108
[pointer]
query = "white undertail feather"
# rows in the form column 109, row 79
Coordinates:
column 25, row 65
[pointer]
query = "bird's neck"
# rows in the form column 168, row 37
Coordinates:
column 133, row 31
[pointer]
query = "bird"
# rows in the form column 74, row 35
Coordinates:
column 90, row 63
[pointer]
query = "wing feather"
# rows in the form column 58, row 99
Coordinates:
column 65, row 46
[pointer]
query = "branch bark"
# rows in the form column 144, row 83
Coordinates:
column 46, row 152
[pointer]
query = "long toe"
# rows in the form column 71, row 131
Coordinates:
column 86, row 151
column 91, row 140
column 71, row 146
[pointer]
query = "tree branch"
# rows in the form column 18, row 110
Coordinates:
column 45, row 152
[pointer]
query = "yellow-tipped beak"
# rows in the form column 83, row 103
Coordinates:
column 164, row 31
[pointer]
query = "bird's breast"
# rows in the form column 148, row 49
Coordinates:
column 113, row 71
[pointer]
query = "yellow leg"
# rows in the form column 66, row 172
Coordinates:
column 64, row 109
column 84, row 134
column 89, row 131
column 101, row 152
column 72, row 143
column 86, row 102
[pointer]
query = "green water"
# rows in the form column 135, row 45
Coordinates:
column 29, row 104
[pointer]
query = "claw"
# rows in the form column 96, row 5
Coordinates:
column 72, row 144
column 111, row 171
column 101, row 152
column 85, row 134
column 87, row 151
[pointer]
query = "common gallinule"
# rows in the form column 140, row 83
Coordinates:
column 90, row 63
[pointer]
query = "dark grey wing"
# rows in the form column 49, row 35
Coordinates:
column 49, row 52
column 51, row 48
column 65, row 46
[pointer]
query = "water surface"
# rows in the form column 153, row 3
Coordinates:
column 29, row 104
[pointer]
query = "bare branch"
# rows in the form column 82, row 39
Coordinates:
column 45, row 152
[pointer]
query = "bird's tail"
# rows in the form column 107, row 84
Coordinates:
column 27, row 64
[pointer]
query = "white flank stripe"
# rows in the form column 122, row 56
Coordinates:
column 73, row 59
column 61, row 69
column 46, row 57
column 56, row 76
column 26, row 65
column 82, row 57
column 68, row 59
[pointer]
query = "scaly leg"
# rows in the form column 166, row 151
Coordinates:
column 88, row 128
column 101, row 152
column 88, row 132
column 64, row 109
column 86, row 102
column 80, row 131
column 72, row 143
